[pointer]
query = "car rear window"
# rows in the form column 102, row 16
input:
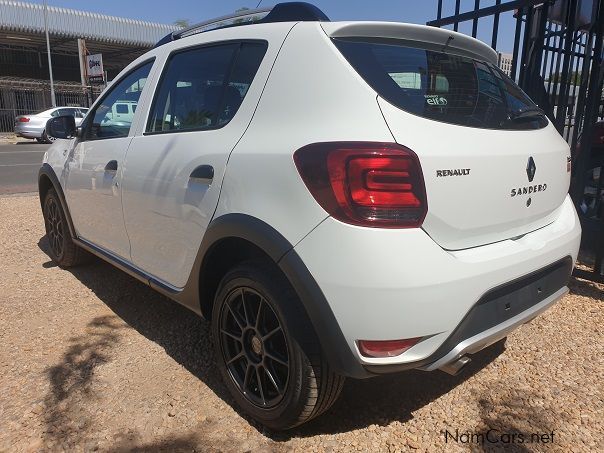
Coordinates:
column 442, row 86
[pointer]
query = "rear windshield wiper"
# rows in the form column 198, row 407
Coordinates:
column 528, row 114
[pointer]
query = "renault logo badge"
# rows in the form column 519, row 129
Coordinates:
column 531, row 168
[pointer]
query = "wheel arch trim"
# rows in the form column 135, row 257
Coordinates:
column 47, row 171
column 282, row 253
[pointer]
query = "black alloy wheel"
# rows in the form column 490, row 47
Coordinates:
column 55, row 227
column 254, row 347
column 266, row 349
column 63, row 250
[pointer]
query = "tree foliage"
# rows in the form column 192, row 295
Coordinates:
column 573, row 79
column 182, row 23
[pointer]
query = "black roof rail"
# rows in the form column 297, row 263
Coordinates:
column 281, row 12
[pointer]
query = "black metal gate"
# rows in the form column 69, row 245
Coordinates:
column 557, row 59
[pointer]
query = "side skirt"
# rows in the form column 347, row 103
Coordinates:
column 161, row 287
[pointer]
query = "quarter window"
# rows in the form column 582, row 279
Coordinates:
column 109, row 119
column 203, row 88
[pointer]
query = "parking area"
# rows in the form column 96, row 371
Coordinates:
column 94, row 360
column 19, row 164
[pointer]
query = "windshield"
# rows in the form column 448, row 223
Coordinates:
column 442, row 86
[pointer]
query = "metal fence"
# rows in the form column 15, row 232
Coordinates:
column 25, row 96
column 557, row 58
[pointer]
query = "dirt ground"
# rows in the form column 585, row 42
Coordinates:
column 92, row 360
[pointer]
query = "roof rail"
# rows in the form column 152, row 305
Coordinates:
column 281, row 12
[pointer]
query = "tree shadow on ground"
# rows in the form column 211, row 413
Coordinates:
column 71, row 382
column 185, row 337
column 516, row 424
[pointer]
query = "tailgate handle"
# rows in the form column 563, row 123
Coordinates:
column 203, row 174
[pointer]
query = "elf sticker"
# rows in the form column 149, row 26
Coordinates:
column 435, row 99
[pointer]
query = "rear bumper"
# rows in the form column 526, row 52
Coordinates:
column 28, row 132
column 495, row 315
column 394, row 284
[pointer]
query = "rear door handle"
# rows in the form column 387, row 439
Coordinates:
column 111, row 166
column 203, row 174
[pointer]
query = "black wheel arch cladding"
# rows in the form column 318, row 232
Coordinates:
column 282, row 253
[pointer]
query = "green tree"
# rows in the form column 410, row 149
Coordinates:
column 574, row 78
column 240, row 10
column 182, row 23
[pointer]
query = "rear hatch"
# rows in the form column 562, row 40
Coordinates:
column 494, row 167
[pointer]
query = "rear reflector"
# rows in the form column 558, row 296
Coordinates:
column 24, row 119
column 365, row 183
column 387, row 348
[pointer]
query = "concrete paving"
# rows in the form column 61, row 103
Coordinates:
column 19, row 165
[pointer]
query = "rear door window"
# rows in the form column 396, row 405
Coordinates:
column 442, row 86
column 203, row 88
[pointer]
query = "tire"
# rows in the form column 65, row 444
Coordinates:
column 47, row 138
column 62, row 249
column 40, row 140
column 249, row 320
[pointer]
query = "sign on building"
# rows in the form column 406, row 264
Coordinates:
column 94, row 68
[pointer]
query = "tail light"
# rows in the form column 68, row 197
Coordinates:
column 365, row 183
column 24, row 119
column 388, row 348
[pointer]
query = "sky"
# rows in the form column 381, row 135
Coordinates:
column 413, row 11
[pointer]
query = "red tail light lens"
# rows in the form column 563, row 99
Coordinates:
column 363, row 183
column 24, row 119
column 388, row 348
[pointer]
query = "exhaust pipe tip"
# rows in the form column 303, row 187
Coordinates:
column 455, row 367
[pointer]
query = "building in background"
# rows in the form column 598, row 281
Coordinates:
column 24, row 74
column 504, row 61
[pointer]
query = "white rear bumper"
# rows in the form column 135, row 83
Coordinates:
column 386, row 284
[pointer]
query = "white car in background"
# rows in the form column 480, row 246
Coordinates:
column 34, row 125
column 338, row 199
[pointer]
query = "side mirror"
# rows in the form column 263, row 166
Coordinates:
column 61, row 127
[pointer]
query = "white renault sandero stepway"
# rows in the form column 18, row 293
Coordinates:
column 337, row 199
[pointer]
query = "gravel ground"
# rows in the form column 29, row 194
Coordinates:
column 91, row 360
column 8, row 137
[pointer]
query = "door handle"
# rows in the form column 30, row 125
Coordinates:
column 111, row 166
column 203, row 174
